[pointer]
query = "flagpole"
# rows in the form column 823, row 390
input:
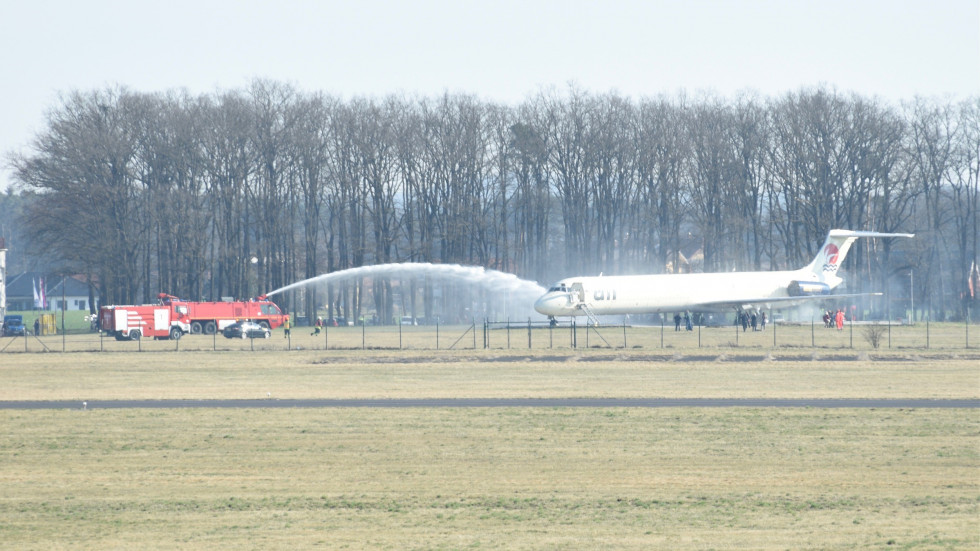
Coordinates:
column 64, row 299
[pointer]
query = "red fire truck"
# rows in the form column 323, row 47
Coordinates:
column 172, row 317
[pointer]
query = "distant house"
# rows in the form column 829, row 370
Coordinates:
column 21, row 288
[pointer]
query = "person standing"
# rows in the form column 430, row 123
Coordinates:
column 37, row 327
column 285, row 327
column 839, row 319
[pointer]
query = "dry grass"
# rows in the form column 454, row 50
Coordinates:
column 490, row 478
column 480, row 374
column 495, row 478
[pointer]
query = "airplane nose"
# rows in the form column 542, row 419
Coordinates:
column 550, row 304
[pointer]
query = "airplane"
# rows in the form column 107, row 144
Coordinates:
column 704, row 292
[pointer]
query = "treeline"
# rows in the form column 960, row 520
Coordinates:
column 235, row 193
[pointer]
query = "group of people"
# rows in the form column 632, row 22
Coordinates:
column 757, row 321
column 835, row 319
column 687, row 322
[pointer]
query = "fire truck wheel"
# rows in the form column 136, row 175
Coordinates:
column 176, row 334
column 196, row 328
column 210, row 328
column 134, row 335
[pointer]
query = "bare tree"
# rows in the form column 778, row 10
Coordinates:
column 663, row 153
column 90, row 207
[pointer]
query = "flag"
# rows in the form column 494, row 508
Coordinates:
column 37, row 298
column 44, row 299
column 973, row 281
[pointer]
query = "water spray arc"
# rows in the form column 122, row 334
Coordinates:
column 510, row 287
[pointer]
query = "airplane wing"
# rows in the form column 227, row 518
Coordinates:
column 769, row 302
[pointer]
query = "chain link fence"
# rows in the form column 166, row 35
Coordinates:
column 529, row 335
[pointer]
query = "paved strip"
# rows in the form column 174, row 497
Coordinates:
column 497, row 403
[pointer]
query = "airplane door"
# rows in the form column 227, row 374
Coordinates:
column 578, row 292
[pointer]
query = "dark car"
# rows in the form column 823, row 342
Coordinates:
column 246, row 330
column 13, row 326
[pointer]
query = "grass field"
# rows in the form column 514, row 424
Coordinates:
column 490, row 478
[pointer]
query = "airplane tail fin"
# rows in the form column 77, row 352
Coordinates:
column 834, row 249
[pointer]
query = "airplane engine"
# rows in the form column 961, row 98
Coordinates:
column 807, row 288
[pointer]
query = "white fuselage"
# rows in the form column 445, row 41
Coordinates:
column 666, row 293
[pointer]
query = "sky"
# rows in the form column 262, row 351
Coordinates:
column 498, row 50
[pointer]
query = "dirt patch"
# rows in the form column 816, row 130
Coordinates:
column 836, row 357
column 389, row 358
column 741, row 358
column 792, row 357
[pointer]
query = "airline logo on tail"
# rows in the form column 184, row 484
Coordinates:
column 831, row 252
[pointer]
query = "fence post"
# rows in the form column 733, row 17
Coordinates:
column 661, row 330
column 529, row 333
column 625, row 346
column 326, row 341
column 437, row 334
column 363, row 335
column 773, row 328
